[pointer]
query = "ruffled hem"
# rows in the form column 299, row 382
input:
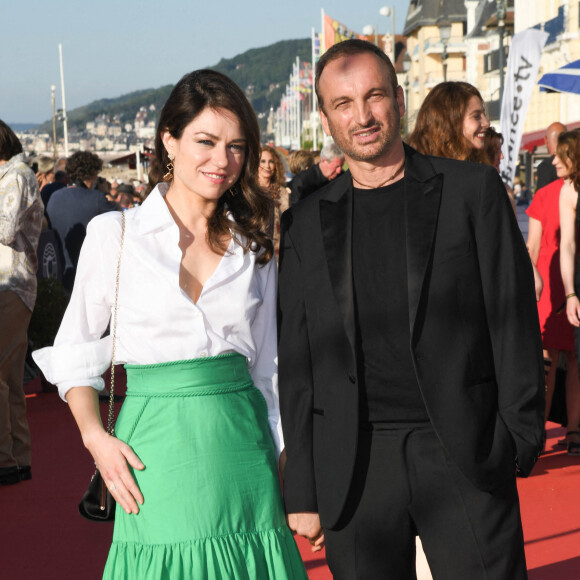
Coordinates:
column 272, row 554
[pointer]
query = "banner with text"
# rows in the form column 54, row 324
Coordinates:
column 520, row 79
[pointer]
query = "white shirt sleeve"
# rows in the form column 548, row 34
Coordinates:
column 264, row 370
column 81, row 354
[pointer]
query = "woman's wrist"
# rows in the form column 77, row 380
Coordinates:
column 571, row 295
column 92, row 434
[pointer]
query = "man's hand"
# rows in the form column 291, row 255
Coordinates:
column 307, row 525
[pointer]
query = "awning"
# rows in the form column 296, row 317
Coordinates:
column 536, row 138
column 532, row 140
column 565, row 79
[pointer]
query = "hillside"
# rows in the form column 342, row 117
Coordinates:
column 261, row 72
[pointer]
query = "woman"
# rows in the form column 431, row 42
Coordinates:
column 193, row 464
column 544, row 248
column 451, row 123
column 494, row 155
column 271, row 179
column 20, row 225
column 567, row 164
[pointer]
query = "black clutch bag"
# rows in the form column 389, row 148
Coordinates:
column 97, row 504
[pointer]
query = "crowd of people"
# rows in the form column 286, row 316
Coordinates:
column 362, row 320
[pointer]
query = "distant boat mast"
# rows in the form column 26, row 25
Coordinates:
column 64, row 119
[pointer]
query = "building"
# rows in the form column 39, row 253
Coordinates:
column 434, row 58
column 560, row 18
column 456, row 40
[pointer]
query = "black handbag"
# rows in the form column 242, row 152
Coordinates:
column 97, row 504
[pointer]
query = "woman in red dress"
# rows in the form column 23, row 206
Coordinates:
column 544, row 248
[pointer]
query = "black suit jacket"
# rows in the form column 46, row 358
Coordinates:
column 475, row 338
column 305, row 183
column 546, row 173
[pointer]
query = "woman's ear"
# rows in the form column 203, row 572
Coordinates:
column 168, row 141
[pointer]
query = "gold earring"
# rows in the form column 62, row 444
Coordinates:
column 233, row 192
column 169, row 175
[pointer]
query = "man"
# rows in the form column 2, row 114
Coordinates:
column 410, row 361
column 70, row 209
column 60, row 181
column 313, row 178
column 546, row 171
column 20, row 224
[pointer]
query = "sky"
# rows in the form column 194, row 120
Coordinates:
column 113, row 47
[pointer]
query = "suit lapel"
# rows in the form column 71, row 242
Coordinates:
column 422, row 200
column 336, row 225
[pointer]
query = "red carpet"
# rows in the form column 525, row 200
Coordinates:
column 42, row 536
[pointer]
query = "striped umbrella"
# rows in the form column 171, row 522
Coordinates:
column 565, row 79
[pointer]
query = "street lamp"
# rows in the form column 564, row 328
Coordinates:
column 407, row 62
column 389, row 38
column 444, row 35
column 501, row 14
column 370, row 30
column 64, row 118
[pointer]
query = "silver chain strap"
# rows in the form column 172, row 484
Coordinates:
column 110, row 428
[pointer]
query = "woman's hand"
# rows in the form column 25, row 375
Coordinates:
column 538, row 282
column 111, row 457
column 573, row 310
column 307, row 525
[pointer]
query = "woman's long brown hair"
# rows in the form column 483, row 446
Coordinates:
column 439, row 126
column 248, row 204
column 569, row 153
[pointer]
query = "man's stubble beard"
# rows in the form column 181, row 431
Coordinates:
column 357, row 155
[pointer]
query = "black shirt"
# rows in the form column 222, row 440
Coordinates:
column 389, row 391
column 546, row 173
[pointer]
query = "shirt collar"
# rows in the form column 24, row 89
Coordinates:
column 153, row 214
column 11, row 163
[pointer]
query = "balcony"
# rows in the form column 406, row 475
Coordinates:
column 433, row 45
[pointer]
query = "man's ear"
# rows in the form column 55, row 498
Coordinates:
column 324, row 121
column 401, row 101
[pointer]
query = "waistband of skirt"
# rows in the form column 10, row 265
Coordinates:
column 195, row 377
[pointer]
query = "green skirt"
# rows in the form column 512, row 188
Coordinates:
column 212, row 504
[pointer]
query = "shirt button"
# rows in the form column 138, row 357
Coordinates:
column 203, row 353
column 352, row 379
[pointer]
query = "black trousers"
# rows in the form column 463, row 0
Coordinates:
column 406, row 485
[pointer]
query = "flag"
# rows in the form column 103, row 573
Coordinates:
column 315, row 47
column 522, row 71
column 335, row 32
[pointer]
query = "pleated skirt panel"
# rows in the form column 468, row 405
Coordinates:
column 212, row 504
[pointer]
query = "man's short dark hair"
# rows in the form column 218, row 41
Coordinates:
column 83, row 165
column 349, row 48
column 126, row 188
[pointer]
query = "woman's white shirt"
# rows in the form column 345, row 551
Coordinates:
column 157, row 321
